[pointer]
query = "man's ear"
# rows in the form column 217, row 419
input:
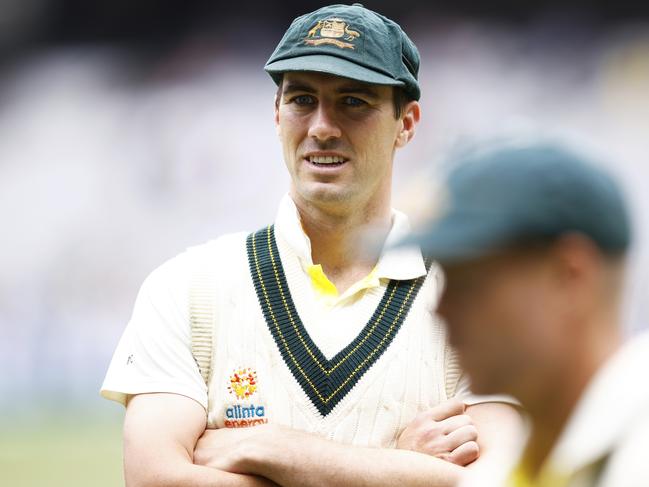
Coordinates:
column 576, row 256
column 409, row 120
column 276, row 114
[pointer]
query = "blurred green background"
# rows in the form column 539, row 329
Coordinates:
column 62, row 448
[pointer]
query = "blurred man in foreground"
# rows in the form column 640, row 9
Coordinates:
column 533, row 244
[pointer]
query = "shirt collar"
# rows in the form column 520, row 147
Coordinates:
column 400, row 263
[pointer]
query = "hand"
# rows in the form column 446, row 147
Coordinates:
column 444, row 432
column 223, row 448
column 217, row 448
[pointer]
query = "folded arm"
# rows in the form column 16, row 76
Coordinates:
column 427, row 455
column 294, row 458
column 160, row 433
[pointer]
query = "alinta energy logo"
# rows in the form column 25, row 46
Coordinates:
column 243, row 385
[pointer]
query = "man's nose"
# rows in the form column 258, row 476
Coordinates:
column 323, row 125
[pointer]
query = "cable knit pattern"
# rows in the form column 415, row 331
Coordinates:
column 408, row 378
column 201, row 316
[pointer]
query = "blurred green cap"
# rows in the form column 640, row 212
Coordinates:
column 511, row 195
column 350, row 41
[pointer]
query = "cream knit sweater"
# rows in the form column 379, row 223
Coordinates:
column 248, row 380
column 416, row 372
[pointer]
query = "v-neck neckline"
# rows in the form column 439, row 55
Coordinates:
column 325, row 381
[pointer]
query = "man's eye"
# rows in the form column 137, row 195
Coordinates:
column 353, row 101
column 303, row 100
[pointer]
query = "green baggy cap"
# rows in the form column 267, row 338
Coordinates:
column 510, row 195
column 348, row 41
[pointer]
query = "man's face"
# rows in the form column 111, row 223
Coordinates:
column 504, row 316
column 338, row 137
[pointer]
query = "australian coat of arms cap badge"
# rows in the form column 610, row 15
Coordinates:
column 332, row 31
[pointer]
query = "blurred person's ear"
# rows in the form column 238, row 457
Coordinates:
column 578, row 270
column 578, row 254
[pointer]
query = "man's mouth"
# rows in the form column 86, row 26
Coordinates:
column 326, row 160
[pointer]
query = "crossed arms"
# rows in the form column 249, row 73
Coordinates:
column 166, row 444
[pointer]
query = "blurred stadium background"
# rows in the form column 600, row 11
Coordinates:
column 130, row 130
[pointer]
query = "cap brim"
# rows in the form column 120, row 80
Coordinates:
column 321, row 63
column 456, row 238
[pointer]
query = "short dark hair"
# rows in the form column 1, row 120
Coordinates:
column 399, row 99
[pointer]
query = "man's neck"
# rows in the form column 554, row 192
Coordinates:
column 550, row 412
column 339, row 238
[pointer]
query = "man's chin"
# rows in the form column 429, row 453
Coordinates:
column 326, row 193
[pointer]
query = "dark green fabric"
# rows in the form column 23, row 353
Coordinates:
column 325, row 382
column 349, row 41
column 508, row 194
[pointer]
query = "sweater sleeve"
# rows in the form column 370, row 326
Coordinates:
column 154, row 353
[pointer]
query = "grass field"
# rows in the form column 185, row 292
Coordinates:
column 61, row 449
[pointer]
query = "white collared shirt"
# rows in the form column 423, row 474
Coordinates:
column 394, row 263
column 400, row 263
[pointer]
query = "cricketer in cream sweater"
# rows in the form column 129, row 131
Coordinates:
column 250, row 383
column 321, row 355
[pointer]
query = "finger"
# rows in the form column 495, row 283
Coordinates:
column 446, row 409
column 465, row 434
column 465, row 453
column 455, row 422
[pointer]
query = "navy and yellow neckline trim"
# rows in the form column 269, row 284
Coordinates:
column 325, row 382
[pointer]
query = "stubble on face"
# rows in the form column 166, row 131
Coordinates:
column 327, row 116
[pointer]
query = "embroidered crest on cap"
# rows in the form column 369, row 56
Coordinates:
column 331, row 31
column 243, row 383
